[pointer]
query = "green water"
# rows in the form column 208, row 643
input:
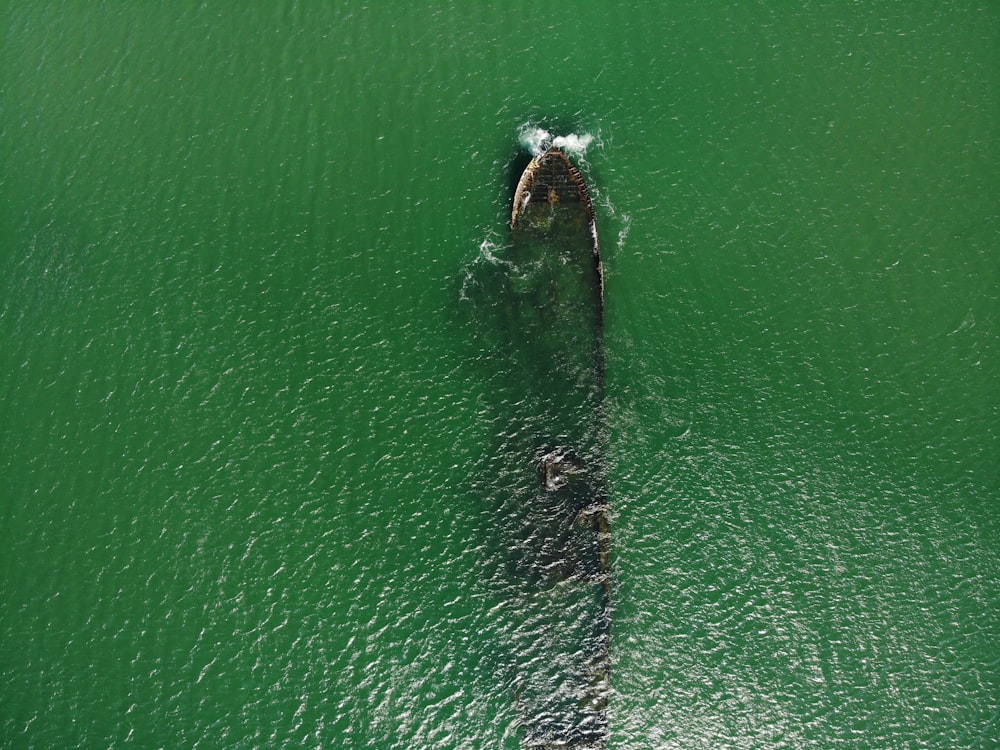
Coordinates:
column 245, row 486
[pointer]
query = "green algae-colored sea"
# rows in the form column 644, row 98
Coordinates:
column 249, row 489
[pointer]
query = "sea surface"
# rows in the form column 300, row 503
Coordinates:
column 249, row 493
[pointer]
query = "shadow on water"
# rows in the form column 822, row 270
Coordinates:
column 515, row 168
column 538, row 309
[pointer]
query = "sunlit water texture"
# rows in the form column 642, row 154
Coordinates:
column 250, row 487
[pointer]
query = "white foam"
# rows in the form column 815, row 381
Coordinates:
column 487, row 250
column 573, row 143
column 537, row 140
column 490, row 251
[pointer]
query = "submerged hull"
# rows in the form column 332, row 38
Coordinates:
column 559, row 555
